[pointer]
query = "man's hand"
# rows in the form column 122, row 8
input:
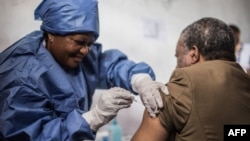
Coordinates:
column 149, row 92
column 108, row 106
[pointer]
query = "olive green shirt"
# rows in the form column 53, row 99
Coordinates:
column 203, row 98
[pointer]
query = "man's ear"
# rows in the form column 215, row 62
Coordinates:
column 195, row 54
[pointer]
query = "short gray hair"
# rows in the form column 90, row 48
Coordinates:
column 213, row 38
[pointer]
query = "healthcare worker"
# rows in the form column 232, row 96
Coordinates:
column 48, row 78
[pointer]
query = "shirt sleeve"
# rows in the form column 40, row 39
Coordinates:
column 177, row 105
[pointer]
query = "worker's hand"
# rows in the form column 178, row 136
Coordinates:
column 108, row 106
column 149, row 92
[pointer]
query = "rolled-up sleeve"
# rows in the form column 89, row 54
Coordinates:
column 178, row 104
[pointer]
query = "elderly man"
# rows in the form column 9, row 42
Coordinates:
column 207, row 90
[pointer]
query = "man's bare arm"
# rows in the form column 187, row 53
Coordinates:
column 150, row 130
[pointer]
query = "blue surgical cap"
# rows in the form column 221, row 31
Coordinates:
column 65, row 17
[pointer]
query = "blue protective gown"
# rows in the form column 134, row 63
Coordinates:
column 41, row 101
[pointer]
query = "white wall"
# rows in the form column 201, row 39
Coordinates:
column 147, row 30
column 16, row 20
column 128, row 25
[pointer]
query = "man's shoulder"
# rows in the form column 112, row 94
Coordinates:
column 211, row 64
column 197, row 67
column 205, row 68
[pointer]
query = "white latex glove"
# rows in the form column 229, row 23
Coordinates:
column 107, row 107
column 149, row 92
